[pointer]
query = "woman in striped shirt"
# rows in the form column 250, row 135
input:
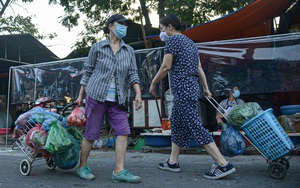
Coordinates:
column 109, row 69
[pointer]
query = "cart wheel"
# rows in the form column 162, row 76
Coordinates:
column 25, row 167
column 277, row 170
column 50, row 163
column 284, row 162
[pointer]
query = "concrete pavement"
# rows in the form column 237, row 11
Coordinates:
column 252, row 171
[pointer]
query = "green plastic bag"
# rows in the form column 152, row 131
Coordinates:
column 59, row 140
column 68, row 159
column 76, row 134
column 240, row 114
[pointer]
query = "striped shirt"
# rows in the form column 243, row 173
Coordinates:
column 103, row 65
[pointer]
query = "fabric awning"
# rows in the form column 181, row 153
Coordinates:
column 252, row 20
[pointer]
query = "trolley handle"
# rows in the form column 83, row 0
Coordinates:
column 216, row 105
column 67, row 106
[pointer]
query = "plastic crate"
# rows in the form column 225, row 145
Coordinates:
column 267, row 135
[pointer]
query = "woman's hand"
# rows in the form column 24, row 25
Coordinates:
column 79, row 100
column 138, row 102
column 152, row 89
column 80, row 96
column 207, row 93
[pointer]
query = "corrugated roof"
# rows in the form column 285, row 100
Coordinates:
column 22, row 49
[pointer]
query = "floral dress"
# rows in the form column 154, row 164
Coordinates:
column 185, row 120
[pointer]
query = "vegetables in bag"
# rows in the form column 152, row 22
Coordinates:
column 77, row 117
column 69, row 158
column 240, row 114
column 36, row 138
column 59, row 140
column 76, row 134
column 232, row 142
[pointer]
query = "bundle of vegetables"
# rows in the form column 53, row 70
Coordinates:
column 36, row 138
column 240, row 114
column 59, row 139
column 76, row 134
column 37, row 115
column 77, row 117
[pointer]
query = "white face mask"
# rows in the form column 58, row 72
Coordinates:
column 163, row 36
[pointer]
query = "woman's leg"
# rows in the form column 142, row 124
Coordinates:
column 86, row 147
column 175, row 150
column 121, row 145
column 215, row 153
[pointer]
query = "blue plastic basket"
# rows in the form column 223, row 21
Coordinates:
column 267, row 135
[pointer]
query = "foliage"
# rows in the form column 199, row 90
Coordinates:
column 94, row 13
column 18, row 24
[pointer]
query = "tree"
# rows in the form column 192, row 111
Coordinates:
column 18, row 24
column 96, row 12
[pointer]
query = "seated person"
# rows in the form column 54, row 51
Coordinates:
column 232, row 100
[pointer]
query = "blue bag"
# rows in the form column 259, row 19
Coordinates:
column 232, row 142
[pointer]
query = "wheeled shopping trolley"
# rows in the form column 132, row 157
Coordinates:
column 31, row 153
column 265, row 133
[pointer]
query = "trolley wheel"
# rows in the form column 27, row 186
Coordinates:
column 284, row 162
column 50, row 163
column 25, row 167
column 277, row 170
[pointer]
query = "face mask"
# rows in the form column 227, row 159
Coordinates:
column 236, row 93
column 163, row 36
column 120, row 31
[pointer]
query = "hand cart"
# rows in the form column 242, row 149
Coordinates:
column 31, row 153
column 267, row 136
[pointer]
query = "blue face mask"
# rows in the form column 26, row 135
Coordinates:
column 236, row 94
column 120, row 31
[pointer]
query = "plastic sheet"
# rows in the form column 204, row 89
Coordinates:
column 256, row 65
column 53, row 79
column 58, row 79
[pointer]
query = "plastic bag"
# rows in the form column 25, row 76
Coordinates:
column 69, row 158
column 59, row 140
column 76, row 134
column 17, row 133
column 239, row 115
column 97, row 144
column 23, row 118
column 77, row 117
column 36, row 138
column 232, row 142
column 48, row 119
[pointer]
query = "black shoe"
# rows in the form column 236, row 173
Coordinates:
column 170, row 167
column 218, row 171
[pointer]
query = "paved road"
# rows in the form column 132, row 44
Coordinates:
column 252, row 171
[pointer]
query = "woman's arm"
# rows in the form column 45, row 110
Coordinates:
column 203, row 81
column 138, row 96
